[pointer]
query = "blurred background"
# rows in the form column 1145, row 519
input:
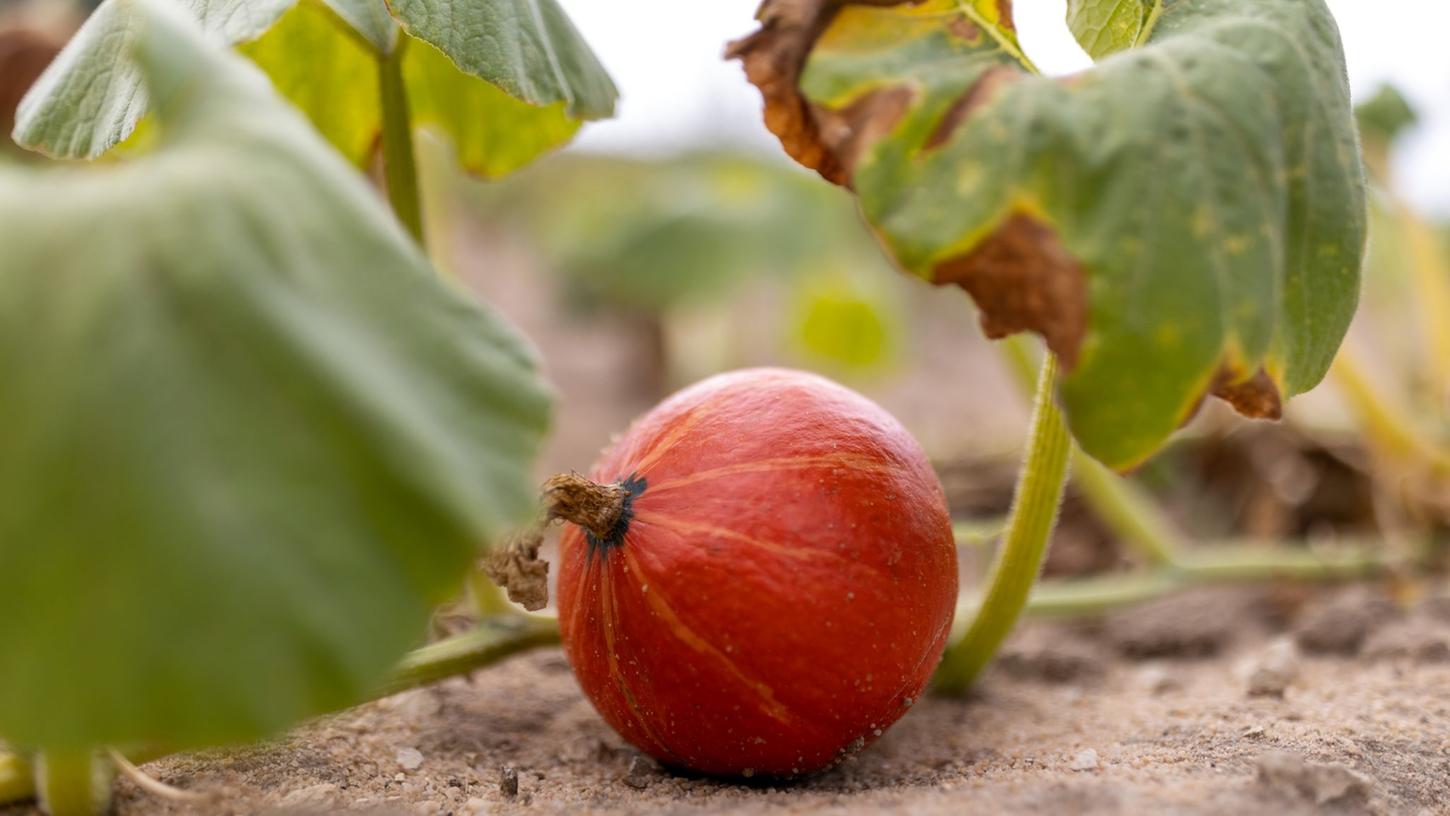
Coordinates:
column 676, row 241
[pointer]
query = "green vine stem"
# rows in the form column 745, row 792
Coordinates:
column 400, row 160
column 490, row 642
column 1034, row 513
column 1130, row 513
column 1136, row 520
column 1225, row 564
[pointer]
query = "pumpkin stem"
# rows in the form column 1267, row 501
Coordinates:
column 602, row 510
column 595, row 507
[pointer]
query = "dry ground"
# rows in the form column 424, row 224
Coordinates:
column 1145, row 712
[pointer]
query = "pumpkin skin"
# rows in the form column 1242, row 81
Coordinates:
column 781, row 584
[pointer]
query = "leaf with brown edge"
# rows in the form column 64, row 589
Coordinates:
column 1184, row 219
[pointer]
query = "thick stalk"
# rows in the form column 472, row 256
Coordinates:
column 1034, row 513
column 72, row 783
column 1129, row 513
column 400, row 161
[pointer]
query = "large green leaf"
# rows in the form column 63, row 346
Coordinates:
column 521, row 93
column 333, row 78
column 328, row 75
column 248, row 438
column 527, row 47
column 1186, row 218
column 492, row 133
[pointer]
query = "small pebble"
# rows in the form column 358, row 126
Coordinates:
column 1274, row 670
column 410, row 759
column 508, row 782
column 1158, row 680
column 1086, row 760
column 1341, row 626
column 638, row 775
column 1321, row 783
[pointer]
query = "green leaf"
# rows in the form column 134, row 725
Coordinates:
column 328, row 75
column 1188, row 217
column 1384, row 116
column 492, row 133
column 839, row 326
column 91, row 97
column 333, row 78
column 1105, row 27
column 248, row 438
column 526, row 47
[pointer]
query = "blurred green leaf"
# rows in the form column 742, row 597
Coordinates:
column 1185, row 218
column 1387, row 114
column 847, row 329
column 248, row 438
column 691, row 229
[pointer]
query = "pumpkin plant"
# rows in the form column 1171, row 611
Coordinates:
column 250, row 440
column 289, row 436
column 1185, row 219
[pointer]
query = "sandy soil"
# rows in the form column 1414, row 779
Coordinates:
column 1153, row 711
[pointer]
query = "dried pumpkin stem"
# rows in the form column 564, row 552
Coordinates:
column 595, row 507
column 516, row 566
column 1034, row 514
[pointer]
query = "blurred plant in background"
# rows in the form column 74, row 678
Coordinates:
column 674, row 247
column 1393, row 373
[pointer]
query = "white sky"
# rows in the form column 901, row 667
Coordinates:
column 678, row 93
